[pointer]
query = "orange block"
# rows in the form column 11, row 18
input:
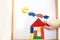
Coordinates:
column 35, row 32
column 40, row 15
column 42, row 33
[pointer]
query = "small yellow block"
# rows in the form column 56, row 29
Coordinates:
column 39, row 29
column 31, row 36
column 25, row 9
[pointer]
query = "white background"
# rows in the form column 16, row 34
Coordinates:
column 22, row 21
column 5, row 19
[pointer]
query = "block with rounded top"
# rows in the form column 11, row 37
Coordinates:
column 25, row 9
column 32, row 14
column 46, row 17
column 39, row 15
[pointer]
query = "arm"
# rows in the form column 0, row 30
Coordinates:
column 53, row 23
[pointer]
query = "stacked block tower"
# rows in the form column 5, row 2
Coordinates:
column 37, row 30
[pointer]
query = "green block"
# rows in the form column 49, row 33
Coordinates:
column 37, row 37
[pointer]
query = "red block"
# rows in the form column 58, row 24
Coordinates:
column 35, row 32
column 42, row 33
column 38, row 23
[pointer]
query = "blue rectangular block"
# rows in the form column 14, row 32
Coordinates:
column 31, row 29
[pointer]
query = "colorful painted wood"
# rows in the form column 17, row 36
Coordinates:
column 42, row 33
column 35, row 32
column 46, row 17
column 31, row 36
column 38, row 23
column 39, row 33
column 39, row 29
column 31, row 29
column 39, row 15
column 37, row 37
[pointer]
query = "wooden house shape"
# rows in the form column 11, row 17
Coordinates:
column 39, row 33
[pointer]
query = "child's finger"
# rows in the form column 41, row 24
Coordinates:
column 48, row 27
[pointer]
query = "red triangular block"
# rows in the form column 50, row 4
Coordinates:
column 38, row 23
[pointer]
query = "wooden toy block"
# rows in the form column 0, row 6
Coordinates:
column 37, row 37
column 32, row 14
column 46, row 17
column 42, row 33
column 31, row 39
column 38, row 23
column 39, row 15
column 31, row 36
column 35, row 32
column 39, row 29
column 31, row 29
column 25, row 9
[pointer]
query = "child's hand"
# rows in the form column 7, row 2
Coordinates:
column 53, row 23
